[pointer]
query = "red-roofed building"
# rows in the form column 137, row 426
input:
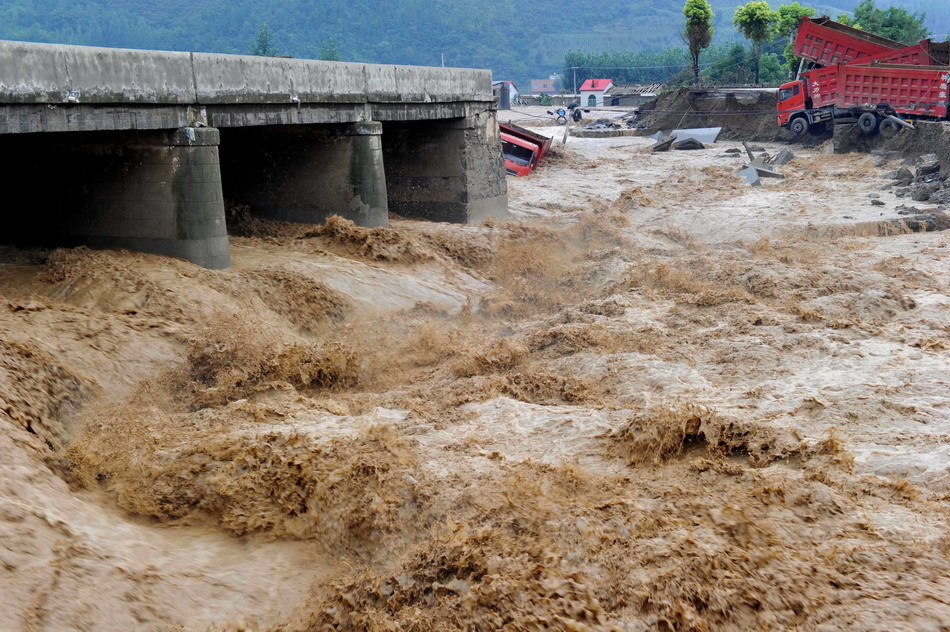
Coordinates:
column 592, row 91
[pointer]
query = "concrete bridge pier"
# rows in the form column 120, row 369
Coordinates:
column 152, row 191
column 448, row 170
column 306, row 173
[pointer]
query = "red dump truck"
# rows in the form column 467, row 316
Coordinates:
column 864, row 79
column 522, row 148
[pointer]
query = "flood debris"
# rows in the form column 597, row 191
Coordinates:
column 685, row 139
column 784, row 156
column 920, row 180
column 751, row 176
column 663, row 144
column 763, row 165
column 705, row 135
column 602, row 124
column 688, row 143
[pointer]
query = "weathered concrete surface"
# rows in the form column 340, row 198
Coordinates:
column 448, row 171
column 51, row 73
column 56, row 88
column 307, row 173
column 156, row 192
column 222, row 79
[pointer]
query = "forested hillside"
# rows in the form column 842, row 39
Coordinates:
column 517, row 40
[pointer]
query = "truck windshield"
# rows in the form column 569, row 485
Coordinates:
column 784, row 94
column 515, row 153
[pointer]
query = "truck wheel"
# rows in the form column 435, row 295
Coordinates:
column 799, row 126
column 889, row 128
column 867, row 123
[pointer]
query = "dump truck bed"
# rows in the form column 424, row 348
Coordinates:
column 827, row 43
column 911, row 90
column 926, row 53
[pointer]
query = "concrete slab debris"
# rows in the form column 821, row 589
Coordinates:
column 769, row 172
column 664, row 144
column 751, row 175
column 705, row 135
column 783, row 157
column 757, row 169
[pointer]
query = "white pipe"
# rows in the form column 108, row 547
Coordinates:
column 899, row 121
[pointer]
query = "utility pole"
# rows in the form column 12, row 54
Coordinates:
column 575, row 79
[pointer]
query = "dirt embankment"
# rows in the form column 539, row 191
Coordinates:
column 607, row 417
column 928, row 137
column 742, row 115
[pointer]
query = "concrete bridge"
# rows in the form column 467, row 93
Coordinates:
column 140, row 149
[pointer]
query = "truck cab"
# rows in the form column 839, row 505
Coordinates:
column 791, row 99
column 521, row 156
column 522, row 148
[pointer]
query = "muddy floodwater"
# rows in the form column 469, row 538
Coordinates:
column 654, row 398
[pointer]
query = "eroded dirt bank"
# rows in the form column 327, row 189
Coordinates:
column 655, row 399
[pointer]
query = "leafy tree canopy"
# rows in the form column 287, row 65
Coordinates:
column 893, row 22
column 756, row 21
column 698, row 12
column 789, row 17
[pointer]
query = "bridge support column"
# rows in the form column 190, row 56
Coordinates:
column 149, row 191
column 305, row 174
column 446, row 170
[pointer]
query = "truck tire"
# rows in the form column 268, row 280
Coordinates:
column 867, row 123
column 799, row 126
column 889, row 128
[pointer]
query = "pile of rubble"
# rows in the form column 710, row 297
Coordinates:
column 920, row 181
column 602, row 123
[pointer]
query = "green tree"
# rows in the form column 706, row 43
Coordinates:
column 329, row 51
column 698, row 30
column 892, row 22
column 789, row 17
column 844, row 18
column 263, row 44
column 773, row 71
column 756, row 21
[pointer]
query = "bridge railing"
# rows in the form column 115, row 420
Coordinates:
column 58, row 74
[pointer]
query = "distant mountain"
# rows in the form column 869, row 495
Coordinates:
column 517, row 40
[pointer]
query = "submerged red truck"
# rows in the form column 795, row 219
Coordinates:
column 522, row 148
column 873, row 82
